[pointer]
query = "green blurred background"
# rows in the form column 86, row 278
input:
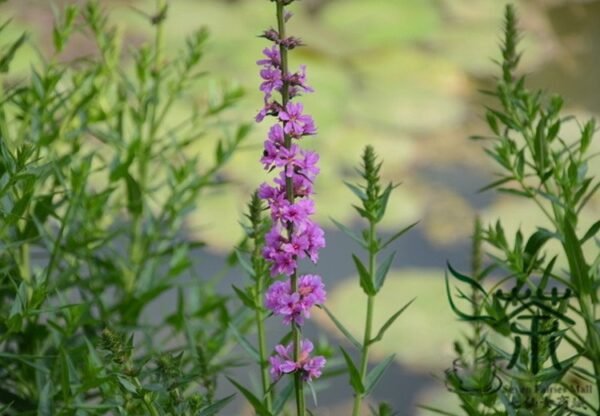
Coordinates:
column 402, row 75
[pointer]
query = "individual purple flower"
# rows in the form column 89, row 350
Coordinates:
column 316, row 236
column 272, row 80
column 281, row 262
column 283, row 363
column 270, row 154
column 298, row 83
column 270, row 108
column 287, row 158
column 298, row 212
column 273, row 57
column 276, row 134
column 296, row 123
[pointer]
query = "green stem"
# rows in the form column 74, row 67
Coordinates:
column 285, row 97
column 588, row 313
column 262, row 339
column 364, row 360
column 137, row 244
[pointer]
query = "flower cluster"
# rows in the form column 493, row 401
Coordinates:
column 294, row 235
column 283, row 363
column 295, row 306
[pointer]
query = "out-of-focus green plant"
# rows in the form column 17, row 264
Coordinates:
column 539, row 311
column 96, row 179
column 373, row 204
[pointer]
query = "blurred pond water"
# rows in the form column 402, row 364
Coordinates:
column 403, row 76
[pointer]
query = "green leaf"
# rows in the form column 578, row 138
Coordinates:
column 591, row 232
column 216, row 407
column 383, row 270
column 134, row 195
column 341, row 327
column 435, row 410
column 252, row 352
column 282, row 397
column 383, row 202
column 258, row 406
column 398, row 235
column 355, row 380
column 471, row 282
column 9, row 55
column 356, row 191
column 244, row 263
column 45, row 401
column 376, row 373
column 349, row 233
column 579, row 269
column 366, row 282
column 244, row 297
column 127, row 385
column 389, row 323
column 534, row 245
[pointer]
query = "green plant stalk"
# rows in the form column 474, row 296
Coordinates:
column 262, row 346
column 137, row 245
column 23, row 259
column 364, row 360
column 262, row 339
column 296, row 332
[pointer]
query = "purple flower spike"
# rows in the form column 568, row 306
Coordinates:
column 294, row 236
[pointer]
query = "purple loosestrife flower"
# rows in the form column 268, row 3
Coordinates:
column 272, row 81
column 295, row 306
column 283, row 363
column 296, row 123
column 273, row 57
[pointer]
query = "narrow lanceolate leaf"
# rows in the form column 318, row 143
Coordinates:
column 591, row 232
column 383, row 201
column 342, row 328
column 244, row 263
column 397, row 235
column 245, row 344
column 366, row 281
column 383, row 270
column 45, row 402
column 579, row 268
column 389, row 322
column 216, row 407
column 282, row 398
column 356, row 191
column 472, row 282
column 134, row 195
column 349, row 233
column 376, row 373
column 257, row 404
column 355, row 380
column 244, row 297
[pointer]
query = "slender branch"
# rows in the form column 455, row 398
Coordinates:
column 368, row 320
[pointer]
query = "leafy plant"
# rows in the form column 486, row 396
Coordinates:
column 97, row 175
column 373, row 204
column 540, row 165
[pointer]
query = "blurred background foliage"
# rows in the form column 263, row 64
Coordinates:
column 400, row 75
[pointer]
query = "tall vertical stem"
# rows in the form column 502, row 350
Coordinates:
column 262, row 339
column 364, row 360
column 137, row 248
column 289, row 186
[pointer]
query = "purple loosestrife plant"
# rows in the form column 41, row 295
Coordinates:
column 293, row 235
